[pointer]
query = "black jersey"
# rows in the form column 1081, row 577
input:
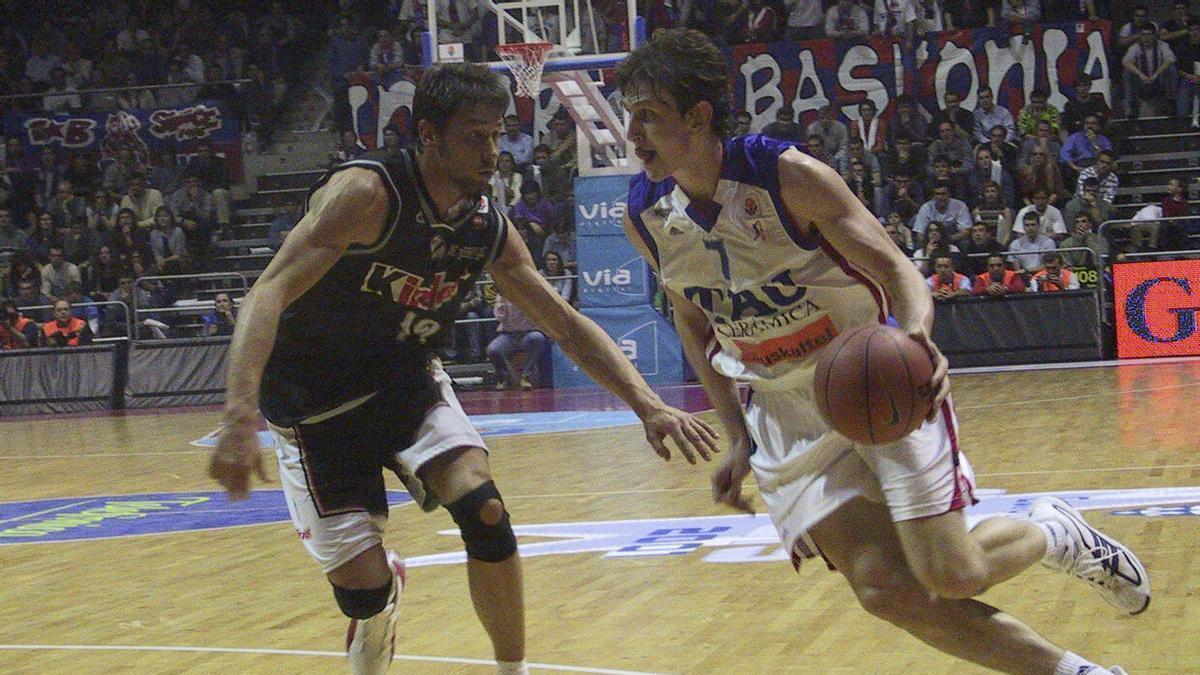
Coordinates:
column 376, row 317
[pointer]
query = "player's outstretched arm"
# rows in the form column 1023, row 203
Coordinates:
column 817, row 198
column 349, row 209
column 587, row 345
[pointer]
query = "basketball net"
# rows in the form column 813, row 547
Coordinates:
column 525, row 60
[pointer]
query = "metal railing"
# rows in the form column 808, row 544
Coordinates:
column 96, row 303
column 239, row 287
column 1102, row 230
column 107, row 90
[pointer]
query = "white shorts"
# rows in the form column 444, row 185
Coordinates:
column 805, row 471
column 331, row 468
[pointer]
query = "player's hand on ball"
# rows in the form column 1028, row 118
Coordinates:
column 236, row 456
column 693, row 435
column 727, row 478
column 939, row 384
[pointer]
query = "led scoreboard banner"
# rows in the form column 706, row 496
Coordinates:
column 1156, row 306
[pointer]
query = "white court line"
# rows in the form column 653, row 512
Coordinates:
column 304, row 652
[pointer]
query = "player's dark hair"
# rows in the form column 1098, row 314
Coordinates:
column 687, row 66
column 447, row 89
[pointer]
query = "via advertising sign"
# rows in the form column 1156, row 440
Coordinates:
column 642, row 334
column 600, row 205
column 611, row 273
column 1156, row 306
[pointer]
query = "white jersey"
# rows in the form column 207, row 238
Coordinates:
column 773, row 295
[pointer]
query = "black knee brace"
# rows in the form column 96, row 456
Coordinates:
column 489, row 543
column 362, row 603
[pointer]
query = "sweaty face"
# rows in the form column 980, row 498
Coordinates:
column 467, row 148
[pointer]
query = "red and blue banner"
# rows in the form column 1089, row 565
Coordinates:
column 143, row 131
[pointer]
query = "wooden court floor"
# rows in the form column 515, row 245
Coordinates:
column 248, row 599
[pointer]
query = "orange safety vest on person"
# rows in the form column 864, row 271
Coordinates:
column 1050, row 287
column 8, row 341
column 69, row 333
column 984, row 280
column 954, row 284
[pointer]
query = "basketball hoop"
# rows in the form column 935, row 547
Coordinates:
column 525, row 60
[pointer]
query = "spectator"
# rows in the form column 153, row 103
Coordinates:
column 387, row 54
column 804, row 20
column 1084, row 236
column 534, row 212
column 80, row 242
column 65, row 330
column 846, row 21
column 936, row 243
column 950, row 144
column 559, row 277
column 113, row 66
column 1053, row 277
column 10, row 235
column 134, row 98
column 17, row 331
column 1149, row 74
column 128, row 239
column 516, row 142
column 951, row 213
column 988, row 115
column 854, row 151
column 101, row 273
column 816, row 147
column 89, row 313
column 1046, row 141
column 1088, row 201
column 1082, row 147
column 284, row 221
column 977, row 248
column 1172, row 235
column 1036, row 111
column 348, row 147
column 1174, row 31
column 742, row 122
column 194, row 208
column 1003, row 151
column 896, row 18
column 168, row 243
column 22, row 267
column 29, row 296
column 222, row 319
column 1042, row 174
column 900, row 235
column 833, row 133
column 62, row 98
column 1026, row 250
column 132, row 35
column 904, row 156
column 963, row 121
column 945, row 283
column 163, row 174
column 1049, row 217
column 231, row 60
column 1025, row 12
column 943, row 174
column 554, row 177
column 515, row 332
column 1086, row 102
column 391, row 140
column 213, row 173
column 1188, row 58
column 930, row 17
column 143, row 201
column 79, row 71
column 47, row 174
column 784, row 127
column 82, row 173
column 1105, row 173
column 992, row 211
column 997, row 281
column 44, row 237
column 901, row 196
column 907, row 121
column 762, row 23
column 986, row 169
column 119, row 175
column 871, row 130
column 65, row 207
column 58, row 273
column 42, row 61
column 133, row 296
column 561, row 140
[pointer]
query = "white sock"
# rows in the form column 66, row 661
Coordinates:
column 1056, row 542
column 1074, row 664
column 516, row 668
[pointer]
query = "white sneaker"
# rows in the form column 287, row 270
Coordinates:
column 1117, row 670
column 371, row 643
column 1085, row 552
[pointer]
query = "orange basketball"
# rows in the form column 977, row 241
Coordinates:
column 872, row 384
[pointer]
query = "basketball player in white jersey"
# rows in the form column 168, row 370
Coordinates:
column 766, row 255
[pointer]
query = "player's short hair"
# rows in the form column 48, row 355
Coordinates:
column 685, row 65
column 447, row 89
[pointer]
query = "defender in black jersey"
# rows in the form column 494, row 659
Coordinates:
column 336, row 345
